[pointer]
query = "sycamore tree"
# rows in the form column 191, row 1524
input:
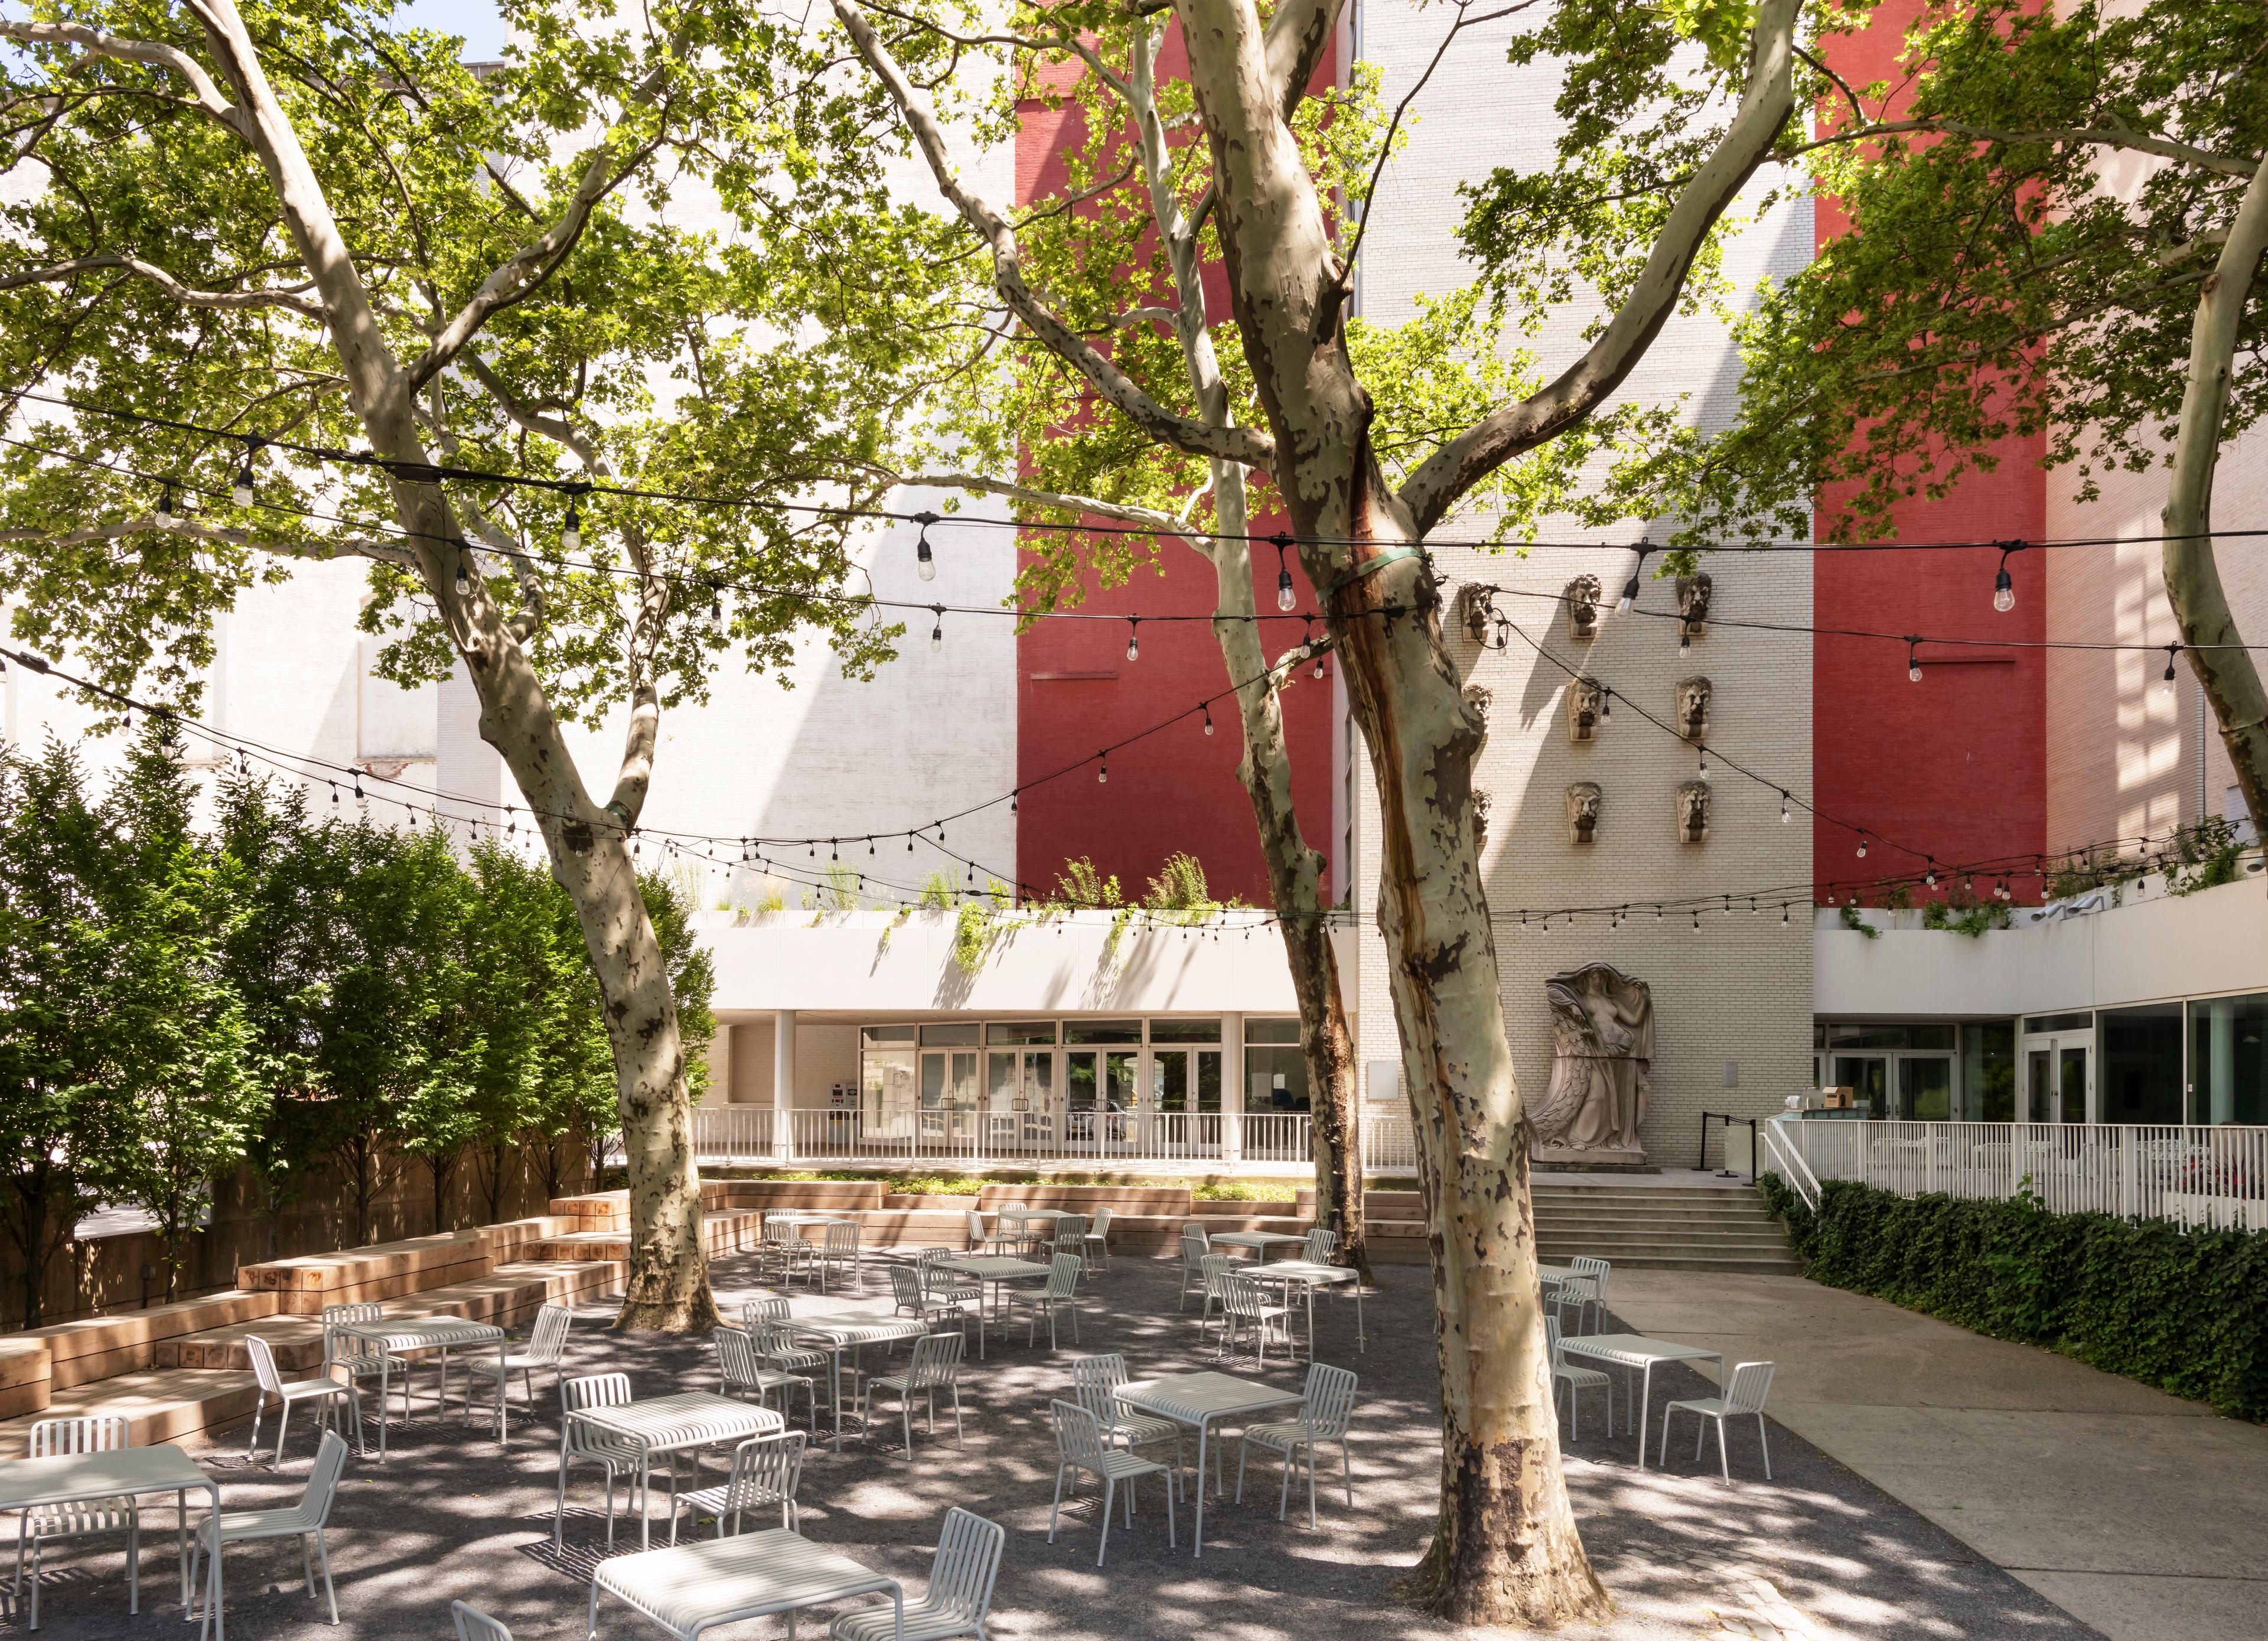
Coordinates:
column 1365, row 450
column 2056, row 221
column 314, row 288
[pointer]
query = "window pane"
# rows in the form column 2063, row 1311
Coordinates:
column 1185, row 1031
column 887, row 1078
column 1275, row 1079
column 948, row 1034
column 1271, row 1031
column 1102, row 1031
column 1988, row 1071
column 1926, row 1088
column 2078, row 1020
column 1930, row 1036
column 1170, row 1082
column 2229, row 1070
column 2139, row 1079
column 889, row 1033
column 1021, row 1031
column 1208, row 1081
column 1870, row 1037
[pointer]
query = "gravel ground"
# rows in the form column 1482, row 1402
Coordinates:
column 1817, row 1552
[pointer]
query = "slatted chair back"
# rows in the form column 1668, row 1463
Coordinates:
column 1243, row 1296
column 1063, row 1275
column 1746, row 1389
column 1078, row 1437
column 906, row 1286
column 263, row 1366
column 1102, row 1217
column 937, row 1362
column 1217, row 1269
column 473, row 1624
column 1071, row 1234
column 1595, row 1271
column 736, row 1361
column 578, row 1395
column 1331, row 1401
column 1093, row 1381
column 337, row 1347
column 976, row 1230
column 314, row 1505
column 770, row 1308
column 55, row 1438
column 766, row 1469
column 1193, row 1248
column 968, row 1563
column 546, row 1341
column 842, row 1238
column 1323, row 1243
column 1551, row 1335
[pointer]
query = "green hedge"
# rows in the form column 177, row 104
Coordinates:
column 2185, row 1310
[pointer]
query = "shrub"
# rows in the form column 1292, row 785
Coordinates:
column 2186, row 1311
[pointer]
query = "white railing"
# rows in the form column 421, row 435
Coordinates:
column 1783, row 1156
column 2193, row 1175
column 752, row 1135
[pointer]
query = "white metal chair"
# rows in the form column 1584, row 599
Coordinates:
column 1247, row 1306
column 765, row 1470
column 783, row 1249
column 1080, row 1447
column 1323, row 1417
column 1577, row 1380
column 1744, row 1395
column 983, row 1242
column 843, row 1255
column 547, row 1347
column 577, row 1440
column 936, row 1366
column 357, row 1359
column 744, row 1373
column 326, row 1392
column 1323, row 1245
column 1098, row 1237
column 767, row 1323
column 1071, row 1238
column 303, row 1521
column 913, row 1300
column 1215, row 1269
column 959, row 1593
column 1585, row 1287
column 1195, row 1245
column 473, row 1624
column 1061, row 1294
column 948, row 1287
column 1095, row 1381
column 50, row 1438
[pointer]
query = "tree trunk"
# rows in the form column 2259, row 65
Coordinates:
column 589, row 843
column 2224, row 668
column 1505, row 1549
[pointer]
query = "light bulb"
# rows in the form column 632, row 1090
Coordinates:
column 2166, row 684
column 1913, row 672
column 937, row 636
column 1697, row 922
column 925, row 561
column 1286, row 599
column 1102, row 775
column 1784, row 815
column 2004, row 591
column 1319, row 665
column 570, row 539
column 166, row 519
column 464, row 582
column 1862, row 846
column 242, row 494
column 1133, row 642
column 1208, row 721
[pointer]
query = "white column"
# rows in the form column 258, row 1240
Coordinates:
column 2220, row 1103
column 718, row 1056
column 783, row 1083
column 1232, row 1088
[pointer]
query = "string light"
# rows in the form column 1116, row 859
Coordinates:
column 2003, row 585
column 242, row 494
column 464, row 582
column 925, row 561
column 1103, row 771
column 570, row 539
column 1704, row 763
column 1913, row 661
column 1784, row 816
column 166, row 516
column 1605, row 704
column 1286, row 598
column 1629, row 599
column 1207, row 707
column 1783, row 914
column 1133, row 638
column 937, row 632
column 1862, row 846
column 2172, row 650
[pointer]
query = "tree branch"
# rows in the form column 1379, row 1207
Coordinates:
column 644, row 727
column 1578, row 391
column 353, row 547
column 1179, row 432
column 2098, row 137
column 1297, row 36
column 150, row 54
column 304, row 306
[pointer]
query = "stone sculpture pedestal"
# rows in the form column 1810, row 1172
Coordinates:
column 1606, row 1159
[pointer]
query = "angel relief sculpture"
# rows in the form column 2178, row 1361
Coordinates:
column 1601, row 1055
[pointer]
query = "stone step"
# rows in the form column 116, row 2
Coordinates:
column 163, row 1405
column 91, row 1348
column 1783, row 1264
column 726, row 1231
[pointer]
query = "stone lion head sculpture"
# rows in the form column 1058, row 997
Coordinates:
column 1583, row 812
column 1582, row 597
column 1693, row 695
column 1585, row 698
column 1693, row 811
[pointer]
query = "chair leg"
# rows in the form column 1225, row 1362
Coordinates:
column 1243, row 1450
column 282, row 1424
column 1055, row 1508
column 1766, row 1445
column 36, row 1548
column 559, row 1510
column 1109, row 1492
column 1284, row 1487
column 1724, row 1465
column 323, row 1559
column 308, row 1565
column 259, row 1410
column 1346, row 1469
column 1311, row 1487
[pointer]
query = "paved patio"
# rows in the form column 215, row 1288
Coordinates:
column 1817, row 1552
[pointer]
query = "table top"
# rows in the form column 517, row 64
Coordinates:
column 1194, row 1397
column 404, row 1333
column 995, row 1270
column 718, row 1581
column 807, row 1220
column 1038, row 1213
column 1254, row 1239
column 1629, row 1350
column 848, row 1327
column 690, row 1418
column 25, row 1482
column 1305, row 1271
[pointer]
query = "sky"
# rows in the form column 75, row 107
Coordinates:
column 476, row 21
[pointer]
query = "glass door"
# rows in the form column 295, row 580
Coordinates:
column 1925, row 1087
column 1869, row 1077
column 2071, row 1082
column 1082, row 1076
column 2059, row 1076
column 1019, row 1098
column 1124, row 1105
column 949, row 1095
column 1185, row 1101
column 2039, row 1085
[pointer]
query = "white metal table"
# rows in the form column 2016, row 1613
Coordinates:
column 1258, row 1241
column 81, row 1477
column 847, row 1331
column 692, row 1587
column 1048, row 1214
column 1629, row 1349
column 1199, row 1399
column 1310, row 1276
column 394, row 1334
column 997, row 1269
column 672, row 1425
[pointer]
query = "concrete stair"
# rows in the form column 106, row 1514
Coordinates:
column 1662, row 1228
column 164, row 1404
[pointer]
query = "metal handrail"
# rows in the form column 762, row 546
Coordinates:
column 1796, row 1170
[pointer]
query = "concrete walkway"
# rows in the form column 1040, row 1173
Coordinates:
column 2137, row 1513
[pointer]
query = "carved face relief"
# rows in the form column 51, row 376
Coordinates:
column 1583, row 812
column 1693, row 708
column 1693, row 605
column 1585, row 698
column 1582, row 597
column 1693, row 811
column 1476, row 611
